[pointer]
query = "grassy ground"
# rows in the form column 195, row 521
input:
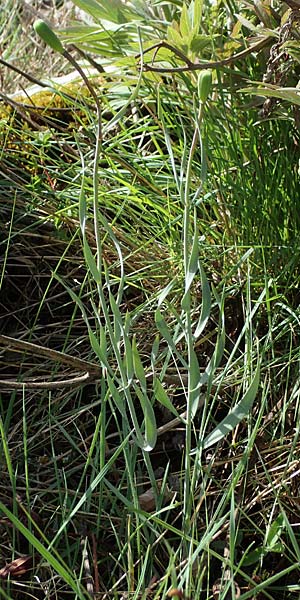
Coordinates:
column 149, row 393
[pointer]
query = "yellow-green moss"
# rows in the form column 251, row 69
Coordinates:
column 42, row 111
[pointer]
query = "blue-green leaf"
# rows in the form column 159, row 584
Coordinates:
column 191, row 269
column 97, row 348
column 90, row 261
column 128, row 357
column 236, row 414
column 118, row 400
column 138, row 366
column 162, row 397
column 205, row 304
column 194, row 382
column 150, row 421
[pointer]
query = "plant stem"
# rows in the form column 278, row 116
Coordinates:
column 98, row 148
column 188, row 325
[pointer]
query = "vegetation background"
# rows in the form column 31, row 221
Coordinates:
column 149, row 292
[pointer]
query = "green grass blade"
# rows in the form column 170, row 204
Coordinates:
column 90, row 262
column 205, row 304
column 236, row 415
column 162, row 397
column 150, row 421
column 194, row 383
column 138, row 366
column 57, row 566
column 192, row 269
column 117, row 399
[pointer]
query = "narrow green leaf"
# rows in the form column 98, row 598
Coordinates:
column 109, row 10
column 216, row 357
column 48, row 556
column 128, row 358
column 164, row 329
column 274, row 533
column 166, row 334
column 118, row 321
column 138, row 437
column 103, row 341
column 138, row 366
column 246, row 23
column 196, row 9
column 194, row 382
column 94, row 342
column 236, row 415
column 220, row 345
column 98, row 349
column 192, row 269
column 120, row 114
column 6, row 454
column 150, row 421
column 82, row 209
column 119, row 402
column 90, row 490
column 103, row 43
column 164, row 293
column 185, row 26
column 154, row 351
column 90, row 261
column 292, row 536
column 289, row 94
column 162, row 397
column 174, row 37
column 205, row 304
column 161, row 116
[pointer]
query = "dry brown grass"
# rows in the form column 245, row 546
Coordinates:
column 21, row 45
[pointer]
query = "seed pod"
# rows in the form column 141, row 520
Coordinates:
column 48, row 36
column 204, row 84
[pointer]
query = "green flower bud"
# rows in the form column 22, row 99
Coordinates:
column 48, row 36
column 204, row 84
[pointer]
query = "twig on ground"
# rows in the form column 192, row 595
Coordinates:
column 65, row 359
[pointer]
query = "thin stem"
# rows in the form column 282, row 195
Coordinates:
column 188, row 323
column 98, row 148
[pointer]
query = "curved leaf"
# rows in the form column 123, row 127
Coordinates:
column 236, row 415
